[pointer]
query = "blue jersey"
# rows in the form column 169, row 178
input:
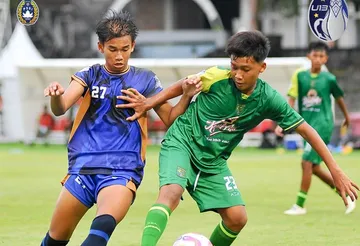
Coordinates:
column 102, row 141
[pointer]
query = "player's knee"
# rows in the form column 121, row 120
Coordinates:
column 49, row 241
column 237, row 222
column 60, row 232
column 235, row 218
column 170, row 195
column 316, row 170
column 105, row 222
column 307, row 167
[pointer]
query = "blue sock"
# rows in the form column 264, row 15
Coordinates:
column 100, row 231
column 48, row 241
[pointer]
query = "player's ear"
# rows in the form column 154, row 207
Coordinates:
column 326, row 58
column 308, row 55
column 263, row 67
column 101, row 47
column 133, row 46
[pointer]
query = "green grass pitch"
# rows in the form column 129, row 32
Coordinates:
column 30, row 183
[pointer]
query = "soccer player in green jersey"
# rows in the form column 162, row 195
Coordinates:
column 196, row 147
column 313, row 88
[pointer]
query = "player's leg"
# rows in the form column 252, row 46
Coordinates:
column 308, row 159
column 219, row 192
column 173, row 173
column 233, row 221
column 323, row 175
column 114, row 198
column 72, row 204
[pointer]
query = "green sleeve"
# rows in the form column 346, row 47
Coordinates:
column 281, row 112
column 212, row 75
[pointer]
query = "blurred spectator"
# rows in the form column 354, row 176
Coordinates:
column 45, row 125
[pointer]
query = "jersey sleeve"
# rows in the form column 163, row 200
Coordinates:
column 336, row 91
column 153, row 88
column 210, row 76
column 82, row 77
column 293, row 89
column 281, row 112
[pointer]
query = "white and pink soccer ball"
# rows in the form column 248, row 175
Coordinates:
column 192, row 239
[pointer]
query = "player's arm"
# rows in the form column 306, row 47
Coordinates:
column 289, row 119
column 340, row 101
column 146, row 104
column 343, row 184
column 141, row 105
column 167, row 113
column 60, row 99
column 338, row 94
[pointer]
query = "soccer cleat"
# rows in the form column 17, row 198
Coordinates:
column 295, row 210
column 351, row 205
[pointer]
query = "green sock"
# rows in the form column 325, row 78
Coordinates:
column 155, row 224
column 223, row 236
column 301, row 198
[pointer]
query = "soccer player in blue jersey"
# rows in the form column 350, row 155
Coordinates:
column 106, row 152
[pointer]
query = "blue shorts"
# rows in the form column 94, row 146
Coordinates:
column 87, row 187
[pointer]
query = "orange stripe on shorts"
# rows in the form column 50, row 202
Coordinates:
column 63, row 181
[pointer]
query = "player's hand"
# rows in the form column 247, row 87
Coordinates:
column 279, row 131
column 54, row 90
column 345, row 186
column 136, row 101
column 192, row 86
column 345, row 123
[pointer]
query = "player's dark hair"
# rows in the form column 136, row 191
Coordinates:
column 248, row 44
column 115, row 25
column 318, row 46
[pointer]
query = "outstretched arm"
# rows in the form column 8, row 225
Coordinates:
column 142, row 104
column 342, row 183
column 166, row 112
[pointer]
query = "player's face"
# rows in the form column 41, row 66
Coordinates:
column 245, row 71
column 318, row 58
column 117, row 52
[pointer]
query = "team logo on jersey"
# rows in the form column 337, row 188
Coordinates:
column 240, row 108
column 27, row 12
column 311, row 99
column 328, row 18
column 181, row 172
column 227, row 125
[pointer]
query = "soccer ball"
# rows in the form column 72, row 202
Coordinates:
column 192, row 239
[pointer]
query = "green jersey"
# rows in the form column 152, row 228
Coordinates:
column 313, row 92
column 216, row 122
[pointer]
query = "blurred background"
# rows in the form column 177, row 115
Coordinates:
column 169, row 29
column 177, row 38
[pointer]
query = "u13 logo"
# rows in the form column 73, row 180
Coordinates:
column 328, row 18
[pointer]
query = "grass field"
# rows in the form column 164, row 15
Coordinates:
column 29, row 186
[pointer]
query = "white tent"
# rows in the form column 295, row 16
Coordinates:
column 19, row 49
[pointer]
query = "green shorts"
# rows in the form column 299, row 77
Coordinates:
column 311, row 155
column 210, row 191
